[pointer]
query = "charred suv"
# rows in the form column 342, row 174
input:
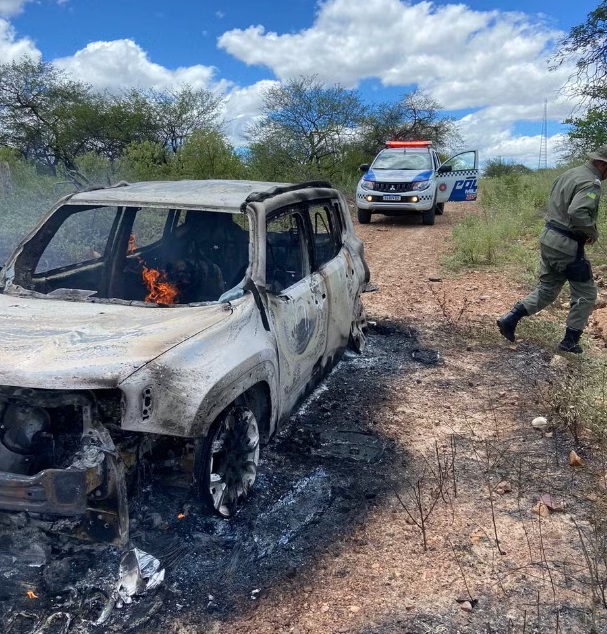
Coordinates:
column 171, row 325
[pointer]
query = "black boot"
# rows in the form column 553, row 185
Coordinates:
column 570, row 341
column 507, row 323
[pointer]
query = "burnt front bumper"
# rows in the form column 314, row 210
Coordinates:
column 54, row 491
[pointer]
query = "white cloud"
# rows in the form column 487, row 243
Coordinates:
column 490, row 130
column 124, row 64
column 490, row 61
column 12, row 7
column 463, row 57
column 242, row 107
column 13, row 49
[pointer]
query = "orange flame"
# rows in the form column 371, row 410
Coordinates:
column 132, row 246
column 160, row 290
column 31, row 594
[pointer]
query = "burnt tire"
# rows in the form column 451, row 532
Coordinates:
column 226, row 461
column 364, row 216
column 428, row 216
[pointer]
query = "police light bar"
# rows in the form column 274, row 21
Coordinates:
column 408, row 143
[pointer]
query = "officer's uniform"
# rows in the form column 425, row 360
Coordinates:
column 571, row 220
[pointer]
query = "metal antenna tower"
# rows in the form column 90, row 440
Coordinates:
column 543, row 160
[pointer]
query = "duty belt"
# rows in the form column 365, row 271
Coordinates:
column 579, row 238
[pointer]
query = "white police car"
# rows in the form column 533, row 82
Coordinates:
column 407, row 176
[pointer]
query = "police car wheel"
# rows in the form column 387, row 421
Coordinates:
column 428, row 215
column 364, row 216
column 440, row 209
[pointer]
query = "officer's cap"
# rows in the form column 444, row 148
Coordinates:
column 600, row 154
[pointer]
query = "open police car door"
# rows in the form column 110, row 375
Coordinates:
column 457, row 177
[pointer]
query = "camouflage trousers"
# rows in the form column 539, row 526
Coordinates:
column 556, row 253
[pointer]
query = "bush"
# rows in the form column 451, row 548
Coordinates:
column 497, row 167
column 24, row 197
column 511, row 215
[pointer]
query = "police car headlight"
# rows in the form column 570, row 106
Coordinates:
column 366, row 184
column 420, row 185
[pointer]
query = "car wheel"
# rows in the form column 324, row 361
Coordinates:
column 364, row 216
column 359, row 326
column 226, row 460
column 428, row 215
column 440, row 209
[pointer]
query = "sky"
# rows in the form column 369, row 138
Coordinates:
column 485, row 61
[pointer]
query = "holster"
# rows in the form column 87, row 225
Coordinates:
column 580, row 269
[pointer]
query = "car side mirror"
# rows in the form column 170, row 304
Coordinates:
column 364, row 167
column 444, row 169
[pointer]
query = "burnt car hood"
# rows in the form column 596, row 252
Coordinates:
column 55, row 344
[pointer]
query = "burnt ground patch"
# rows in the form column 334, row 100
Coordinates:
column 319, row 477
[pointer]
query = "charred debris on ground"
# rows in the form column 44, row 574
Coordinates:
column 307, row 498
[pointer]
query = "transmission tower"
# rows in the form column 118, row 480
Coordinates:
column 543, row 161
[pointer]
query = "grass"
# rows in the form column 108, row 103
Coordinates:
column 504, row 234
column 506, row 228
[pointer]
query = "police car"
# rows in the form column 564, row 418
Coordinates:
column 407, row 176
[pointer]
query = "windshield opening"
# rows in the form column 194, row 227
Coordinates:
column 136, row 254
column 402, row 161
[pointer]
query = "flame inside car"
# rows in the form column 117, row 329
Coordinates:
column 160, row 290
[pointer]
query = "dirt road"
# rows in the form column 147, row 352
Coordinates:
column 398, row 499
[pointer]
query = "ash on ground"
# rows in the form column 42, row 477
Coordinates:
column 318, row 478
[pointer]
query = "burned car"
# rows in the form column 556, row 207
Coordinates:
column 171, row 324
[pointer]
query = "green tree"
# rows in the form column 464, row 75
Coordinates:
column 206, row 154
column 586, row 46
column 305, row 126
column 416, row 117
column 587, row 131
column 52, row 120
column 272, row 160
column 144, row 161
column 496, row 167
column 43, row 114
column 118, row 122
column 178, row 113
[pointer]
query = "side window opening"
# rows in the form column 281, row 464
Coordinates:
column 463, row 161
column 326, row 233
column 287, row 260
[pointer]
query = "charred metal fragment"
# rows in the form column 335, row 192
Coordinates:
column 57, row 458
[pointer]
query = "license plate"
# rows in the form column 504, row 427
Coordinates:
column 391, row 197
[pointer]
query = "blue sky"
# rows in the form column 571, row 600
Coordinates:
column 484, row 60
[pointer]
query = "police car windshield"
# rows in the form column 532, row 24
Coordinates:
column 400, row 160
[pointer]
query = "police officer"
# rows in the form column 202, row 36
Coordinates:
column 570, row 224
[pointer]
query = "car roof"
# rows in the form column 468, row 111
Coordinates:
column 217, row 195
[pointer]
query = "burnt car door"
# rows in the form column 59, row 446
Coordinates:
column 297, row 303
column 334, row 263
